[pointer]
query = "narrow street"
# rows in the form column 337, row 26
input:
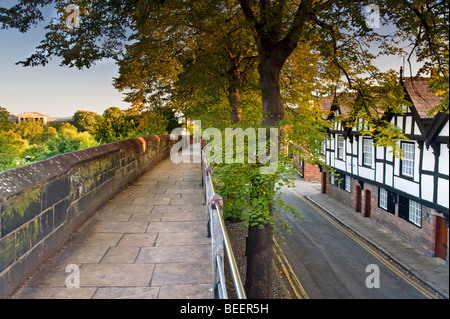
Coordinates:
column 331, row 262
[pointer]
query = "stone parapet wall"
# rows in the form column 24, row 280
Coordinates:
column 43, row 203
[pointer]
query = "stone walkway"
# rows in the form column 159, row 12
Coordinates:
column 150, row 241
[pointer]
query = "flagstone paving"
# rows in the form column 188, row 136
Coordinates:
column 148, row 242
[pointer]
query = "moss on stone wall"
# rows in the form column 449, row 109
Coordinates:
column 21, row 210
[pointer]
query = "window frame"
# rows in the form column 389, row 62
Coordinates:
column 340, row 150
column 415, row 213
column 384, row 198
column 410, row 211
column 407, row 164
column 348, row 182
column 365, row 154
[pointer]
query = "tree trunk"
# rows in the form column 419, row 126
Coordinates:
column 234, row 98
column 260, row 241
column 272, row 53
column 259, row 262
column 269, row 79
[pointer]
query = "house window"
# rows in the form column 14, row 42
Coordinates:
column 340, row 146
column 408, row 159
column 341, row 181
column 347, row 183
column 410, row 210
column 383, row 198
column 415, row 213
column 367, row 152
column 387, row 200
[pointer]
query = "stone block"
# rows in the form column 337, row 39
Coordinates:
column 20, row 210
column 7, row 251
column 55, row 191
column 60, row 212
column 171, row 274
column 34, row 231
column 126, row 293
column 116, row 275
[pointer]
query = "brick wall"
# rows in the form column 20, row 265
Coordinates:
column 44, row 202
column 312, row 173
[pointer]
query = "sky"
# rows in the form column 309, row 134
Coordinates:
column 61, row 91
column 52, row 90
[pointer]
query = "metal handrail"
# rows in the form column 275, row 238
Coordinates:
column 240, row 292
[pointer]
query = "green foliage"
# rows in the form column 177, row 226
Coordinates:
column 30, row 130
column 5, row 123
column 86, row 121
column 115, row 126
column 67, row 139
column 36, row 153
column 35, row 132
column 40, row 142
column 11, row 148
column 152, row 123
column 157, row 120
column 249, row 194
column 113, row 113
column 196, row 54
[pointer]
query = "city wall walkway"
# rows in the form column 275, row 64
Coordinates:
column 150, row 241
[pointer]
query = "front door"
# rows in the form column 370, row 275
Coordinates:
column 358, row 199
column 368, row 205
column 324, row 182
column 441, row 238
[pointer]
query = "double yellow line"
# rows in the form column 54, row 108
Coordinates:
column 288, row 272
column 389, row 264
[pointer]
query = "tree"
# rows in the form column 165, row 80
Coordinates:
column 113, row 113
column 11, row 148
column 198, row 58
column 425, row 24
column 35, row 132
column 5, row 123
column 41, row 139
column 67, row 139
column 85, row 121
column 157, row 121
column 115, row 126
column 30, row 130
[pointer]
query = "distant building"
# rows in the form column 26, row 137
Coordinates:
column 34, row 117
column 38, row 117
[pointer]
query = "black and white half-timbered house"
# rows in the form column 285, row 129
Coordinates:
column 407, row 195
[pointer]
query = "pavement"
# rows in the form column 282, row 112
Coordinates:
column 432, row 271
column 149, row 242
